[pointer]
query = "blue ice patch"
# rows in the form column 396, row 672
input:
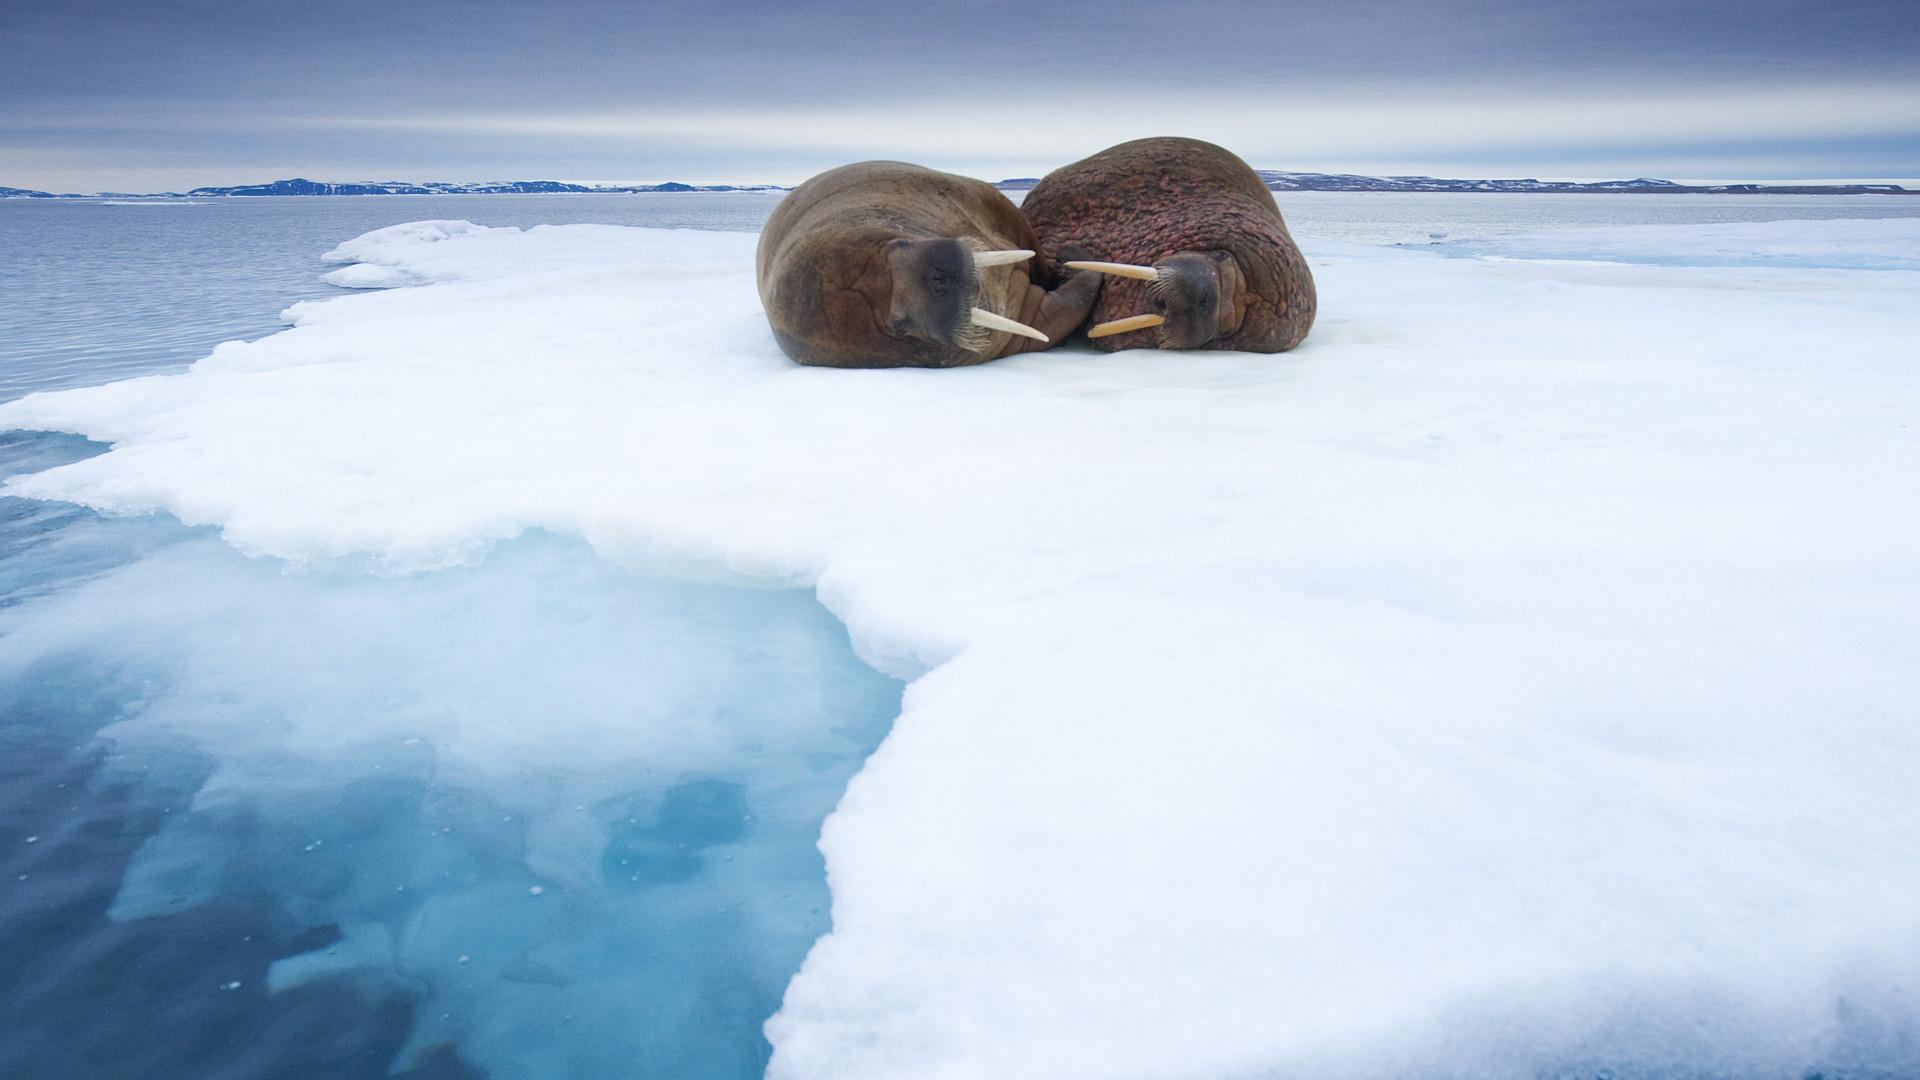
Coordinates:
column 542, row 816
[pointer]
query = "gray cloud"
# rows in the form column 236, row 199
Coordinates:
column 258, row 89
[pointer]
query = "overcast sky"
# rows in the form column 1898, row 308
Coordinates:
column 160, row 94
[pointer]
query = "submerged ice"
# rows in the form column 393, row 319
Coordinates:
column 1514, row 681
column 569, row 811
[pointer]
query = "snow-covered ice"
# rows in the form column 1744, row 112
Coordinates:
column 1515, row 680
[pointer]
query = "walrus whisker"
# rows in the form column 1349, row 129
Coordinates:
column 983, row 317
column 1122, row 326
column 1127, row 270
column 972, row 338
column 1001, row 258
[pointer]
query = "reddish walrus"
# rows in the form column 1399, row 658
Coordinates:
column 1199, row 253
column 885, row 264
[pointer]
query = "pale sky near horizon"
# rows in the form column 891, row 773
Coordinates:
column 171, row 94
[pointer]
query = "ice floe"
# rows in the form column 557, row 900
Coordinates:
column 1891, row 243
column 1515, row 680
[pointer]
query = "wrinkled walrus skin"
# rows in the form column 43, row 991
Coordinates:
column 1145, row 201
column 829, row 292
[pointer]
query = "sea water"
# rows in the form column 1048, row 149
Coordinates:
column 535, row 815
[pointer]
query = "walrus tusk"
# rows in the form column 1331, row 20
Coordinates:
column 1121, row 326
column 983, row 317
column 1143, row 273
column 1001, row 258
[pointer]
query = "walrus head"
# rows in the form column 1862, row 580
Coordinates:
column 1193, row 297
column 882, row 296
column 935, row 289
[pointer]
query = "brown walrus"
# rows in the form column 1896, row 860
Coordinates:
column 1201, row 256
column 886, row 264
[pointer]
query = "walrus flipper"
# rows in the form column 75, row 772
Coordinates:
column 1058, row 313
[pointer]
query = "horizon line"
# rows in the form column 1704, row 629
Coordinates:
column 1911, row 184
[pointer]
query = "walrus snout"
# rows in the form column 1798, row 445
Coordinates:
column 934, row 283
column 1186, row 292
column 1192, row 297
column 936, row 288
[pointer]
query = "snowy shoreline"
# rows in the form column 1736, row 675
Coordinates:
column 1514, row 678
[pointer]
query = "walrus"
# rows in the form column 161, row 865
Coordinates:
column 886, row 264
column 1201, row 255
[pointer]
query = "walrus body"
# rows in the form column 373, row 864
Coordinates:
column 886, row 264
column 1193, row 238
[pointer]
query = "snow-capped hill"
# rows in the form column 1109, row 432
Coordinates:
column 23, row 193
column 1640, row 182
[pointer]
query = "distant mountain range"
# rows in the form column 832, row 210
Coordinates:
column 1309, row 181
column 1284, row 181
column 300, row 186
column 1277, row 181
